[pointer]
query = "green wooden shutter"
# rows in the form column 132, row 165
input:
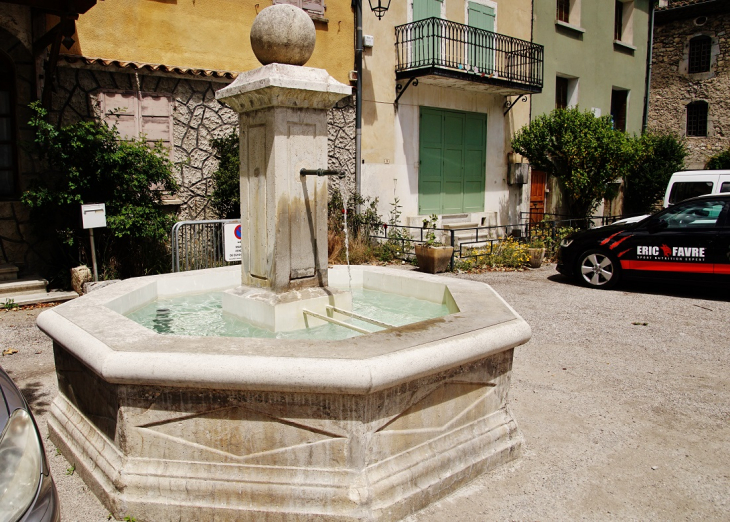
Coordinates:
column 430, row 173
column 453, row 161
column 481, row 45
column 427, row 47
column 423, row 9
column 452, row 170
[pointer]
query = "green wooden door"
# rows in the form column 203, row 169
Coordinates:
column 453, row 147
column 481, row 45
column 427, row 45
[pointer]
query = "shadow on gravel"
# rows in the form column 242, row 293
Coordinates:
column 36, row 397
column 688, row 290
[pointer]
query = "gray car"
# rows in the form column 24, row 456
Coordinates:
column 27, row 491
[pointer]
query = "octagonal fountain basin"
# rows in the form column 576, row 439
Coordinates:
column 375, row 426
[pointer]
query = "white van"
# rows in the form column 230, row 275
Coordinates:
column 691, row 183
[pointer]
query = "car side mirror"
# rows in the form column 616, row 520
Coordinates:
column 656, row 225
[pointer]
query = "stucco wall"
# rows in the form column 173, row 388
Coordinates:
column 590, row 55
column 672, row 88
column 390, row 136
column 206, row 34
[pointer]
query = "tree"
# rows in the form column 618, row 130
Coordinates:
column 226, row 197
column 584, row 153
column 88, row 162
column 720, row 161
column 656, row 158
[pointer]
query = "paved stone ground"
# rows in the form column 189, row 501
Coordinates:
column 623, row 398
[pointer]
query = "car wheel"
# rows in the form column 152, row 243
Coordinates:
column 598, row 269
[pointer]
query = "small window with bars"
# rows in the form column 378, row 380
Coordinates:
column 563, row 11
column 700, row 54
column 697, row 119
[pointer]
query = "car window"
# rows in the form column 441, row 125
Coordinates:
column 725, row 187
column 696, row 214
column 682, row 190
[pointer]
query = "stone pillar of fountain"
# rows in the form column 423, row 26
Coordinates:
column 282, row 110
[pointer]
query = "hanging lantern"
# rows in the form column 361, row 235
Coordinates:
column 380, row 8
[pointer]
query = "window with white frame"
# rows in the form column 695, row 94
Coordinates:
column 568, row 11
column 623, row 27
column 566, row 92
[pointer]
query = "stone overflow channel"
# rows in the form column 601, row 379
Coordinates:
column 373, row 427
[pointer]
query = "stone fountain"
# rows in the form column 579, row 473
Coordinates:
column 171, row 427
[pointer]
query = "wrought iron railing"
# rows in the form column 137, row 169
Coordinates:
column 476, row 242
column 198, row 244
column 439, row 43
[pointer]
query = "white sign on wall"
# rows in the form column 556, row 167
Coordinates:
column 232, row 242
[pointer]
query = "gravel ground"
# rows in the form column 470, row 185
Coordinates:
column 622, row 398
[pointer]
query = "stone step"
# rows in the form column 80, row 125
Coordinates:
column 448, row 219
column 54, row 296
column 459, row 225
column 8, row 272
column 23, row 286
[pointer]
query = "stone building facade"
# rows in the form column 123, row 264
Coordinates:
column 76, row 58
column 197, row 118
column 690, row 82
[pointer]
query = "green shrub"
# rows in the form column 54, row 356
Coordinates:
column 359, row 227
column 720, row 161
column 657, row 157
column 226, row 196
column 584, row 153
column 505, row 253
column 87, row 162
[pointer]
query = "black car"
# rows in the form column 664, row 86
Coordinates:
column 27, row 491
column 688, row 241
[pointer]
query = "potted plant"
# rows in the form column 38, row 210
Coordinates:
column 536, row 251
column 433, row 257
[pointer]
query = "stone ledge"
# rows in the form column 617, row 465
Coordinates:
column 111, row 345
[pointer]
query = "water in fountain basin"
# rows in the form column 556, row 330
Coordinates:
column 202, row 315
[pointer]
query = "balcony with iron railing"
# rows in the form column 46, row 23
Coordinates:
column 447, row 53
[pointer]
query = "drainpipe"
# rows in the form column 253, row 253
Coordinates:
column 358, row 101
column 649, row 58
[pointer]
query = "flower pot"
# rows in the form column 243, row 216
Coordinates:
column 536, row 256
column 433, row 259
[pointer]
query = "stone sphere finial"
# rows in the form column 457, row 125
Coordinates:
column 283, row 33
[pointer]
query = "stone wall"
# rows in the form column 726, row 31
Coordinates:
column 197, row 118
column 341, row 144
column 16, row 234
column 672, row 88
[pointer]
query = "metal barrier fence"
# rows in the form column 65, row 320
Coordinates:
column 199, row 244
